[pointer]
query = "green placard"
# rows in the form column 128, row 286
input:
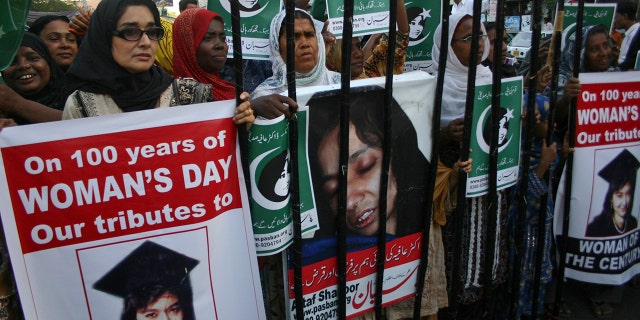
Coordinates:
column 594, row 14
column 508, row 136
column 424, row 17
column 369, row 16
column 255, row 19
column 269, row 158
column 13, row 15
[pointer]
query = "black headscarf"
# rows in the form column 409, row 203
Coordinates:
column 40, row 23
column 94, row 69
column 53, row 94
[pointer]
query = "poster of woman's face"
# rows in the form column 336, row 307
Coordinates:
column 194, row 299
column 407, row 165
column 613, row 210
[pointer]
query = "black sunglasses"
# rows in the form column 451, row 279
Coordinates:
column 135, row 34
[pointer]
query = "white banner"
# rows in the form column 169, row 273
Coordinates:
column 97, row 209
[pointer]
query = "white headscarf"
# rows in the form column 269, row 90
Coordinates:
column 454, row 92
column 277, row 83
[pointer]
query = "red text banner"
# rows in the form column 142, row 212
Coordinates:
column 608, row 113
column 107, row 207
column 97, row 187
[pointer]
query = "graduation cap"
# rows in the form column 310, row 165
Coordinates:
column 622, row 168
column 149, row 264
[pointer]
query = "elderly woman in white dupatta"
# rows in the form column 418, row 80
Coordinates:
column 310, row 67
column 474, row 219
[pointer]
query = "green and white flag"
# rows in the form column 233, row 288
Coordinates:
column 255, row 19
column 424, row 17
column 13, row 14
column 369, row 16
column 508, row 137
column 270, row 169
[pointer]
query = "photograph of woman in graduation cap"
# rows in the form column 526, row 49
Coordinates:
column 617, row 217
column 154, row 282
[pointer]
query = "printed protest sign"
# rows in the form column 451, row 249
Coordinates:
column 13, row 15
column 270, row 169
column 594, row 14
column 424, row 17
column 411, row 117
column 508, row 137
column 111, row 205
column 602, row 242
column 255, row 19
column 369, row 16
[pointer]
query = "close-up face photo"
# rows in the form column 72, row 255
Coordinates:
column 132, row 49
column 29, row 72
column 212, row 51
column 62, row 43
column 363, row 182
column 461, row 42
column 306, row 45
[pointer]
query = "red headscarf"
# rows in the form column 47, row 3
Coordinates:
column 188, row 31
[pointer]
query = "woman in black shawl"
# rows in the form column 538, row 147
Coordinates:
column 114, row 71
column 34, row 90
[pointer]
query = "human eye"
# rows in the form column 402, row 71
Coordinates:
column 366, row 164
column 208, row 37
column 53, row 37
column 71, row 38
column 175, row 309
column 151, row 315
column 34, row 57
column 131, row 33
column 310, row 34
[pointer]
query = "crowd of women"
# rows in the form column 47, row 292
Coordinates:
column 58, row 74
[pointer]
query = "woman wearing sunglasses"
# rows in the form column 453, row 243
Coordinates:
column 114, row 71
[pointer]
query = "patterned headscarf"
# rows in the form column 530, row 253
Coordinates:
column 277, row 83
column 189, row 29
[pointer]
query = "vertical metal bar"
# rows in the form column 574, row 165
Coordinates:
column 433, row 163
column 291, row 62
column 442, row 61
column 569, row 163
column 493, row 210
column 344, row 158
column 386, row 158
column 461, row 209
column 293, row 154
column 533, row 84
column 237, row 60
column 528, row 130
column 553, row 60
